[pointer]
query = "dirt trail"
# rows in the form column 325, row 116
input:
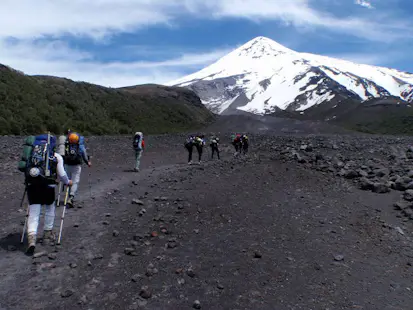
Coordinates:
column 247, row 233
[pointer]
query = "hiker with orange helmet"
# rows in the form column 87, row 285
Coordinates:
column 74, row 154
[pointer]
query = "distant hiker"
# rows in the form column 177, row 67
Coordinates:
column 74, row 154
column 244, row 144
column 236, row 142
column 214, row 144
column 138, row 146
column 197, row 141
column 41, row 165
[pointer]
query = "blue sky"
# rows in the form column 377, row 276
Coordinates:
column 126, row 42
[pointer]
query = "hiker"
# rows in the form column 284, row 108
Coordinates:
column 236, row 142
column 214, row 146
column 197, row 141
column 244, row 143
column 74, row 153
column 42, row 165
column 138, row 146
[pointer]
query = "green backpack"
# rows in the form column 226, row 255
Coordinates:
column 26, row 153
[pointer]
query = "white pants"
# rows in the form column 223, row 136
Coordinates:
column 73, row 173
column 34, row 217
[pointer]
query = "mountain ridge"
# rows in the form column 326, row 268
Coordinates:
column 262, row 76
column 34, row 103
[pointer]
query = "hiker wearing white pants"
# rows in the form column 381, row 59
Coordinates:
column 73, row 172
column 34, row 217
column 74, row 154
column 43, row 194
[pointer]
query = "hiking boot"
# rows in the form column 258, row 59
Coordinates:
column 48, row 236
column 70, row 202
column 32, row 244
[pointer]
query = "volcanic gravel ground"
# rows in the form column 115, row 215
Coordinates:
column 285, row 227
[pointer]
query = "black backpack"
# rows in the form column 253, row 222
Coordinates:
column 72, row 153
column 137, row 145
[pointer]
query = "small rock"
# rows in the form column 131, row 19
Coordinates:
column 151, row 271
column 52, row 256
column 137, row 202
column 380, row 188
column 381, row 172
column 338, row 257
column 39, row 254
column 108, row 215
column 145, row 292
column 190, row 273
column 181, row 281
column 366, row 184
column 196, row 231
column 172, row 244
column 67, row 293
column 82, row 300
column 137, row 237
column 197, row 304
column 11, row 248
column 257, row 254
column 350, row 174
column 399, row 230
column 408, row 195
column 409, row 185
column 129, row 251
column 115, row 233
column 220, row 286
column 401, row 205
column 98, row 256
column 105, row 223
column 135, row 278
column 73, row 265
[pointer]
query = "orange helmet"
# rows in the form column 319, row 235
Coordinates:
column 73, row 138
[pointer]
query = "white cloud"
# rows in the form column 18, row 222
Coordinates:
column 56, row 58
column 100, row 18
column 364, row 3
column 52, row 21
column 300, row 13
column 371, row 58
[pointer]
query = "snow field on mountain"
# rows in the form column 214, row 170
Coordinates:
column 272, row 76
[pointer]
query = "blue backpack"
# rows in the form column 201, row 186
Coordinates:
column 38, row 161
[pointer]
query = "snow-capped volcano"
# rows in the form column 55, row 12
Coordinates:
column 263, row 76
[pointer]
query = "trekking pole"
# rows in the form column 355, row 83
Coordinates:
column 63, row 215
column 47, row 172
column 59, row 194
column 27, row 215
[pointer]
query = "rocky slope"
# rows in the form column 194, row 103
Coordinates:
column 31, row 104
column 262, row 76
column 387, row 115
column 286, row 227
